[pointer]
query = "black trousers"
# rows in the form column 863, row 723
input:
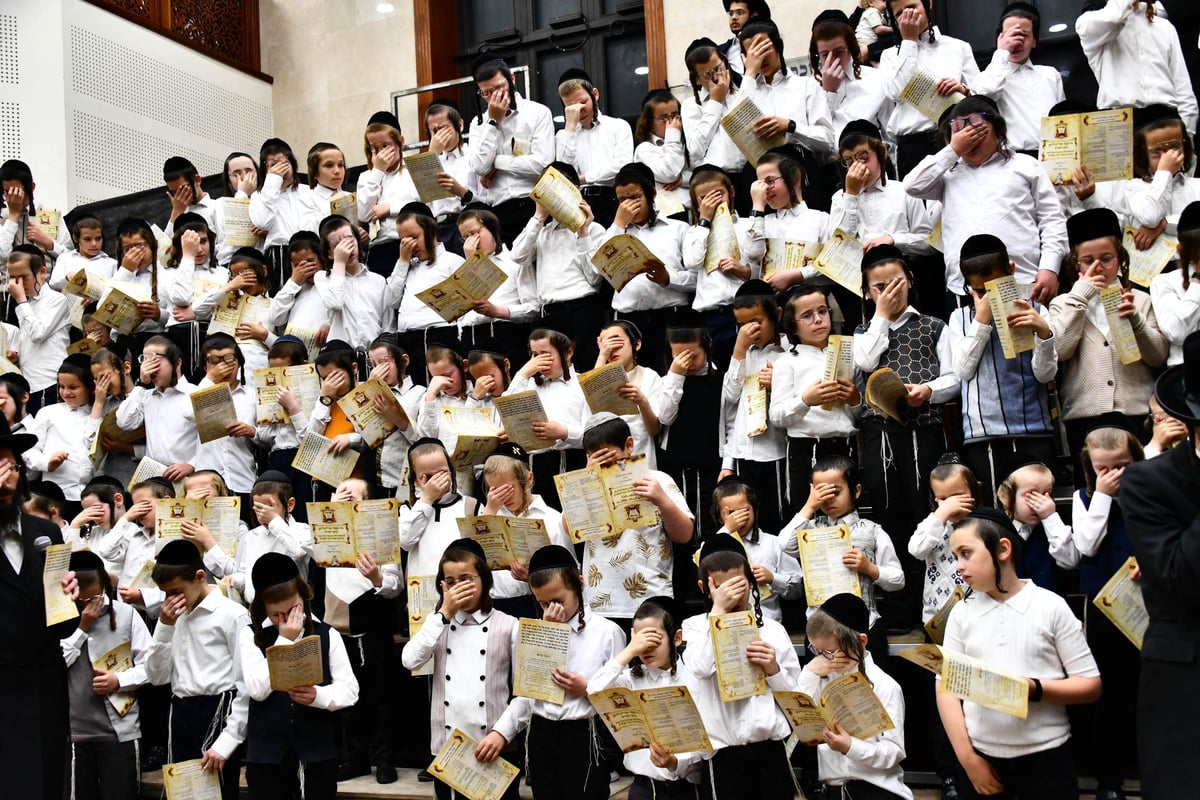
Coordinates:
column 1112, row 719
column 550, row 463
column 581, row 319
column 279, row 266
column 563, row 760
column 442, row 791
column 644, row 788
column 103, row 771
column 722, row 330
column 282, row 781
column 192, row 720
column 369, row 726
column 1048, row 775
column 858, row 790
column 766, row 763
column 994, row 459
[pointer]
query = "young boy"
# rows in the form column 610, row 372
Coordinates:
column 130, row 543
column 297, row 307
column 88, row 235
column 282, row 439
column 637, row 564
column 234, row 455
column 389, row 363
column 1006, row 408
column 161, row 402
column 44, row 318
column 185, row 192
column 355, row 298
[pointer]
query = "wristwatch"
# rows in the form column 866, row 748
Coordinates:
column 326, row 400
column 791, row 126
column 144, row 384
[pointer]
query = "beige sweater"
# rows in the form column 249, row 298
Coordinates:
column 1096, row 381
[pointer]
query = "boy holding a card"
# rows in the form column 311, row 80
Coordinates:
column 293, row 727
column 88, row 236
column 130, row 543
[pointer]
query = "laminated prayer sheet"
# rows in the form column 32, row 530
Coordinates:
column 476, row 435
column 117, row 309
column 118, row 659
column 313, row 458
column 148, row 468
column 542, row 647
column 47, row 222
column 782, row 256
column 926, row 656
column 109, row 427
column 294, row 665
column 1121, row 601
column 457, row 767
column 622, row 258
column 422, row 601
column 358, row 404
column 424, row 169
column 187, row 780
column 1120, row 329
column 220, row 514
column 518, row 412
column 839, row 363
column 921, row 94
column 821, row 551
column 665, row 715
column 936, row 627
column 1145, row 265
column 213, row 407
column 475, row 279
column 345, row 205
column 83, row 347
column 849, row 700
column 144, row 579
column 59, row 607
column 239, row 231
column 840, row 261
column 602, row 390
column 343, row 530
column 76, row 310
column 754, row 400
column 739, row 124
column 239, row 309
column 1002, row 295
column 970, row 679
column 302, row 379
column 722, row 239
column 599, row 501
column 560, row 198
column 737, row 676
column 307, row 336
column 505, row 539
column 1102, row 141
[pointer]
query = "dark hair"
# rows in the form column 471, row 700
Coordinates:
column 294, row 352
column 17, row 393
column 440, row 353
column 89, row 222
column 990, row 532
column 880, row 148
column 766, row 302
column 571, row 579
column 314, row 161
column 159, row 489
column 699, row 336
column 30, row 253
column 223, row 341
column 1024, row 12
column 1141, row 158
column 889, row 17
column 452, row 115
column 613, row 433
column 652, row 610
column 645, row 123
column 339, row 359
column 106, row 493
column 256, row 265
column 200, row 227
column 395, row 351
column 487, row 70
column 639, row 175
column 171, row 353
column 708, row 175
column 461, row 555
column 265, row 635
column 724, row 561
column 987, row 107
column 568, row 171
column 329, row 225
column 276, row 147
column 883, row 262
column 788, row 318
column 15, row 170
column 486, row 219
column 304, row 240
column 71, row 366
column 91, row 577
column 230, row 189
column 948, row 470
column 823, row 626
column 792, row 172
column 560, row 342
column 424, row 449
column 177, row 167
column 985, row 265
column 1189, row 254
column 429, row 232
column 757, row 25
column 495, row 359
column 847, row 466
column 142, row 232
column 166, row 573
column 631, row 333
column 827, row 31
column 1107, row 439
column 393, row 133
column 734, row 488
column 702, row 55
column 282, row 490
column 572, row 85
column 1071, row 262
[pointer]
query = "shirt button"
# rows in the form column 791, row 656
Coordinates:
column 448, row 651
column 481, row 704
column 446, row 703
column 453, row 627
column 1110, row 383
column 485, row 628
column 483, row 677
column 481, row 652
column 1106, row 344
column 447, row 677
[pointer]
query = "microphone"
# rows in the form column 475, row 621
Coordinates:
column 42, row 543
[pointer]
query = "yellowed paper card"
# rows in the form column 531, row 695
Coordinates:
column 476, row 435
column 601, row 388
column 302, row 379
column 341, row 531
column 505, row 539
column 1145, row 265
column 853, row 703
column 804, row 715
column 542, row 648
column 144, row 579
column 783, row 256
column 118, row 309
column 926, row 656
column 1120, row 330
column 239, row 231
column 213, row 408
column 921, row 94
column 83, row 347
column 971, row 679
column 359, row 406
column 622, row 258
column 220, row 514
column 59, row 607
column 345, row 205
column 456, row 766
column 422, row 601
column 187, row 780
column 739, row 124
column 722, row 239
column 476, row 279
column 148, row 468
column 313, row 458
column 666, row 203
column 308, row 336
column 1002, row 294
column 666, row 715
column 754, row 400
column 821, row 551
column 118, row 659
column 737, row 676
column 47, row 222
column 518, row 412
column 424, row 169
column 1121, row 601
column 840, row 261
column 294, row 665
column 600, row 501
column 560, row 198
column 1100, row 140
column 936, row 627
column 935, row 238
column 839, row 363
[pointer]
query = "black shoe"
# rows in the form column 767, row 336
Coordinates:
column 424, row 777
column 386, row 774
column 1110, row 794
column 348, row 771
column 949, row 789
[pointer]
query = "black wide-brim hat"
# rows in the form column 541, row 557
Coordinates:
column 18, row 443
column 1178, row 388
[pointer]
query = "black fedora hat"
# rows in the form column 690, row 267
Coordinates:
column 1178, row 388
column 18, row 443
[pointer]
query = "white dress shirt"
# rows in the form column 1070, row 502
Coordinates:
column 408, row 280
column 864, row 97
column 297, row 306
column 518, row 293
column 13, row 233
column 798, row 223
column 707, row 141
column 101, row 265
column 794, row 372
column 1136, row 62
column 456, row 163
column 288, row 536
column 530, row 126
column 1164, row 197
column 871, row 346
column 139, row 646
column 766, row 550
column 1058, row 537
column 356, row 305
column 1089, row 524
column 771, row 445
column 1034, row 634
column 560, row 259
column 947, row 57
column 60, row 428
column 45, row 322
column 199, row 656
column 171, row 436
column 425, row 533
column 1176, row 309
column 667, row 159
column 597, row 153
column 396, row 189
column 663, row 238
column 278, row 211
column 886, row 210
column 753, row 719
column 564, row 402
column 1011, row 198
column 1025, row 93
column 800, row 100
column 341, row 691
column 715, row 289
column 128, row 547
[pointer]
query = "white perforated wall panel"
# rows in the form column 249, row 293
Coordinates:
column 8, row 49
column 10, row 130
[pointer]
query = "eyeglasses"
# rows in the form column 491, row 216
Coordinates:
column 450, row 583
column 812, row 317
column 830, row 654
column 712, row 74
column 216, row 361
column 667, row 117
column 487, row 93
column 771, row 180
column 621, row 198
column 1106, row 260
column 838, row 54
column 972, row 120
column 1166, row 147
column 144, row 357
column 861, row 158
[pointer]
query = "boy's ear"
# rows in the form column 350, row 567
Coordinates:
column 628, row 444
column 1004, row 550
column 291, row 504
column 1012, row 268
column 857, row 491
column 862, row 637
column 201, row 576
column 679, row 637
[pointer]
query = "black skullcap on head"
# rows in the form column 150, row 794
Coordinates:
column 848, row 609
column 1189, row 219
column 720, row 542
column 1095, row 223
column 384, row 117
column 790, row 150
column 669, row 605
column 511, row 450
column 272, row 569
column 860, row 127
column 1178, row 388
column 275, row 476
column 246, row 253
column 179, row 553
column 333, row 346
column 86, row 561
column 551, row 556
column 49, row 490
column 831, row 15
column 190, row 218
column 427, row 440
column 638, row 168
column 662, row 94
column 18, row 380
column 982, row 244
column 470, row 545
column 416, row 207
column 755, row 288
column 130, row 223
column 696, row 44
column 1148, row 115
column 287, row 337
column 1068, row 107
column 104, row 480
column 79, row 361
column 478, row 205
column 687, row 318
column 161, row 481
column 880, row 253
column 574, row 74
column 732, row 478
column 995, row 515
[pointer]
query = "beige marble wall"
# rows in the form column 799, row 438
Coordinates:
column 335, row 62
